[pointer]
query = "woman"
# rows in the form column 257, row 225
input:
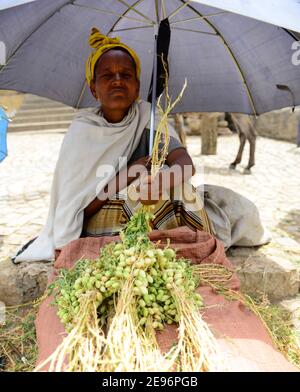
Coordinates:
column 92, row 149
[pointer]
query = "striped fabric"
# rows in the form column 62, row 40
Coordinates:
column 169, row 214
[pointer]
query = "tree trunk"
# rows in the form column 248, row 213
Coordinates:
column 180, row 128
column 209, row 134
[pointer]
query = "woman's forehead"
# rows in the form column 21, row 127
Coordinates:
column 114, row 58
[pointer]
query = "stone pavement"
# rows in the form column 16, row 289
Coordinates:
column 274, row 186
column 25, row 181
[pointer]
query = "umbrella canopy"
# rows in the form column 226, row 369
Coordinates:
column 12, row 3
column 233, row 63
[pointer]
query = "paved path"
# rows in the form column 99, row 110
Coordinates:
column 25, row 181
column 26, row 175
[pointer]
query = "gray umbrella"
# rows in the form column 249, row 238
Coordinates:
column 233, row 63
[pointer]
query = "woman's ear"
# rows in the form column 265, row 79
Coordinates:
column 93, row 90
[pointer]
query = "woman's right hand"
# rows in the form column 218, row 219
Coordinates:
column 144, row 161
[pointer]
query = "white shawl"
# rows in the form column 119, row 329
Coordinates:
column 90, row 142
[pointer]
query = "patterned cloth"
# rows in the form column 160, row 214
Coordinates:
column 169, row 214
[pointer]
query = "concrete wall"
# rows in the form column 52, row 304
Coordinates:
column 280, row 124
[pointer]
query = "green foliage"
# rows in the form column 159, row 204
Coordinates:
column 153, row 271
column 278, row 320
column 18, row 348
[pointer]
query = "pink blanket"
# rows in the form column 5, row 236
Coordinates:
column 245, row 343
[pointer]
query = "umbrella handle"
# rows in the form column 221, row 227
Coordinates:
column 153, row 101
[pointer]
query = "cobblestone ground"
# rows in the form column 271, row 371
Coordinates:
column 274, row 186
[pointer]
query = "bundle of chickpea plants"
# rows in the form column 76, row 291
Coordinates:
column 113, row 306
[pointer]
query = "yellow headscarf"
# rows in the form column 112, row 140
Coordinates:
column 101, row 43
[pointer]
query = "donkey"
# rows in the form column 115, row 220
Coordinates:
column 244, row 125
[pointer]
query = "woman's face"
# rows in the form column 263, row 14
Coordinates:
column 115, row 83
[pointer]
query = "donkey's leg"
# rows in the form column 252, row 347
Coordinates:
column 251, row 163
column 240, row 152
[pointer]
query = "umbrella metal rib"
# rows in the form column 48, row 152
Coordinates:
column 125, row 16
column 163, row 9
column 194, row 31
column 174, row 28
column 293, row 34
column 132, row 28
column 198, row 17
column 175, row 12
column 132, row 7
column 157, row 12
column 121, row 16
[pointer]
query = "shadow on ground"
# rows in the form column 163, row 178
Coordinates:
column 224, row 171
column 291, row 224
